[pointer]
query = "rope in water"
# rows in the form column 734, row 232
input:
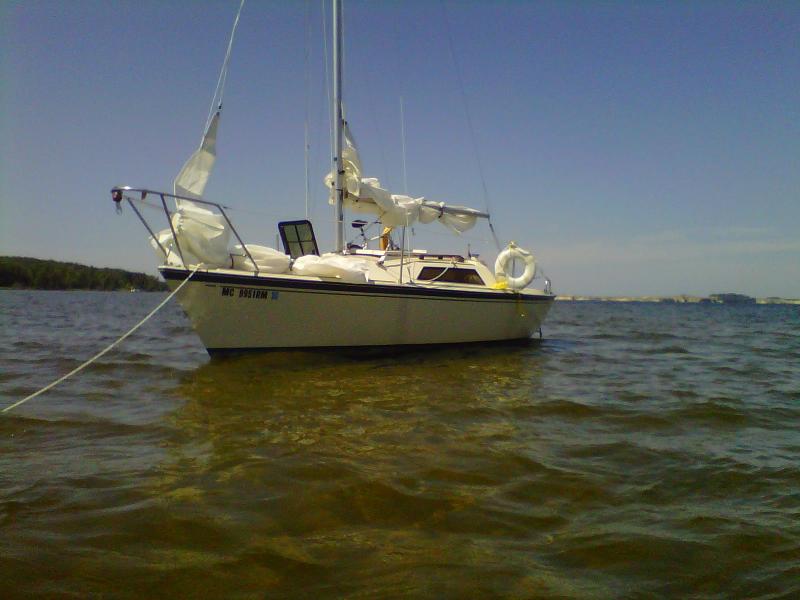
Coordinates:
column 101, row 353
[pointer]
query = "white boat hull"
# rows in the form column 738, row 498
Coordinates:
column 235, row 311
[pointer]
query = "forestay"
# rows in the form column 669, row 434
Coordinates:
column 203, row 235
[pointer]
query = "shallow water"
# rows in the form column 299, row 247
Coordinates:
column 639, row 450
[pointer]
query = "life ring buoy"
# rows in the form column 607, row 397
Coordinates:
column 501, row 272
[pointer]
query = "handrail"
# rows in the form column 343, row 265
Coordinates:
column 147, row 226
column 119, row 192
column 145, row 191
column 171, row 228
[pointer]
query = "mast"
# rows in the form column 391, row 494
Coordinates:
column 338, row 165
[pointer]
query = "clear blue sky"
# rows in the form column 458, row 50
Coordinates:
column 635, row 147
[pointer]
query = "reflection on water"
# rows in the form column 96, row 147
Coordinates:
column 636, row 450
column 392, row 468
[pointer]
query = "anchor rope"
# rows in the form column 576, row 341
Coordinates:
column 107, row 349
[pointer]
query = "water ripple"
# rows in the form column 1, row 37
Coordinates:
column 637, row 451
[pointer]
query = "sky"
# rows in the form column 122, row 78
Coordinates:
column 635, row 148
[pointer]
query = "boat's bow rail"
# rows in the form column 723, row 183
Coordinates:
column 140, row 195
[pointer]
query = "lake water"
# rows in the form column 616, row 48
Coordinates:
column 640, row 450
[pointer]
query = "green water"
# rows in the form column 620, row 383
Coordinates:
column 638, row 451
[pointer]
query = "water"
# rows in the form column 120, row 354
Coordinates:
column 638, row 451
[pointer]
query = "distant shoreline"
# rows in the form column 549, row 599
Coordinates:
column 24, row 273
column 736, row 299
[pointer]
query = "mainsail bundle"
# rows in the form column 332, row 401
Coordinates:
column 365, row 195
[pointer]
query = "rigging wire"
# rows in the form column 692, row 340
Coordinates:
column 320, row 157
column 306, row 144
column 343, row 57
column 403, row 144
column 470, row 126
column 328, row 81
column 379, row 134
column 216, row 101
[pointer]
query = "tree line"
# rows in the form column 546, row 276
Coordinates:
column 33, row 273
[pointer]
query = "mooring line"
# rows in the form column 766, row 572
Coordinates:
column 102, row 352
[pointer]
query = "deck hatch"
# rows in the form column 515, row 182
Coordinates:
column 298, row 238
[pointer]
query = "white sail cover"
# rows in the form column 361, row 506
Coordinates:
column 202, row 235
column 350, row 269
column 365, row 194
column 267, row 259
column 166, row 242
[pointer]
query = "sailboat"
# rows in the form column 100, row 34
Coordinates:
column 248, row 297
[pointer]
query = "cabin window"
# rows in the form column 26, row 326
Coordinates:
column 298, row 238
column 450, row 275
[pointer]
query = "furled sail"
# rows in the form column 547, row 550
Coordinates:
column 351, row 162
column 365, row 195
column 201, row 233
column 192, row 179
